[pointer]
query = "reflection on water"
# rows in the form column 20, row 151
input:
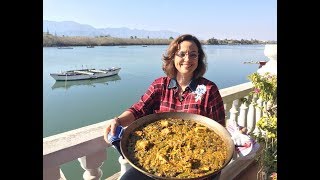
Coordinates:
column 88, row 82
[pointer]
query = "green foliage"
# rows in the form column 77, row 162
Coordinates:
column 265, row 87
column 215, row 41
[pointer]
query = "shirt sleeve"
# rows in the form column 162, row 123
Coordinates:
column 217, row 106
column 147, row 103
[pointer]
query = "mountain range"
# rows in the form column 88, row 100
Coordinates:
column 71, row 28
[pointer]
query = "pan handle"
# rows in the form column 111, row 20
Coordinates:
column 115, row 140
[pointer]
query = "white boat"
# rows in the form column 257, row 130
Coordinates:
column 85, row 82
column 72, row 75
column 65, row 47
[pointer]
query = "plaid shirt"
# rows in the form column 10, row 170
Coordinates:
column 162, row 96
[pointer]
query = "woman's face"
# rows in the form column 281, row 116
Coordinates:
column 186, row 58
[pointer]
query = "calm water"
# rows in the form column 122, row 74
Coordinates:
column 70, row 105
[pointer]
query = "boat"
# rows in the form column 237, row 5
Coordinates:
column 262, row 63
column 65, row 47
column 91, row 46
column 85, row 82
column 81, row 74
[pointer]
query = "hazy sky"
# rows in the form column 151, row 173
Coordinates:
column 237, row 19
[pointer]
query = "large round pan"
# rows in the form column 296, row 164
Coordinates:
column 218, row 128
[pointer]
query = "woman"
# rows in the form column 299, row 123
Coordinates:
column 184, row 89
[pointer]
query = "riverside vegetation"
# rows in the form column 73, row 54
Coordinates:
column 50, row 40
column 56, row 41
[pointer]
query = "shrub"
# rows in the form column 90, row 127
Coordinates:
column 265, row 87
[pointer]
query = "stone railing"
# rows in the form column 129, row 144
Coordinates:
column 87, row 145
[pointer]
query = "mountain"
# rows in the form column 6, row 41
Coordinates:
column 70, row 28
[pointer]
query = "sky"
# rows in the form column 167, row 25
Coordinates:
column 220, row 19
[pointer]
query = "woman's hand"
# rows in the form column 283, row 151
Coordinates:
column 110, row 127
column 243, row 130
column 123, row 120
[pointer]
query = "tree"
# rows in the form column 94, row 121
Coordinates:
column 213, row 41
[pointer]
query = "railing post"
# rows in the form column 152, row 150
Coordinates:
column 124, row 165
column 270, row 51
column 251, row 120
column 243, row 115
column 234, row 111
column 265, row 106
column 259, row 109
column 91, row 164
column 227, row 107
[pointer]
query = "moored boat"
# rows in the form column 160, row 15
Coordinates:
column 85, row 74
column 262, row 63
column 65, row 47
column 85, row 82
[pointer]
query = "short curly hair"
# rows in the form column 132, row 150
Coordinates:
column 168, row 58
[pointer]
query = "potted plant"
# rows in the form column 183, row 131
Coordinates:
column 265, row 87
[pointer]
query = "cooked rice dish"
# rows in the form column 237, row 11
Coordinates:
column 177, row 148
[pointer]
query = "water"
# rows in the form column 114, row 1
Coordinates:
column 71, row 105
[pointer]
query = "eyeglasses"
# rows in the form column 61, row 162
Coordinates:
column 192, row 55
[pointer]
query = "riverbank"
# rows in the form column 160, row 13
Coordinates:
column 57, row 41
column 50, row 40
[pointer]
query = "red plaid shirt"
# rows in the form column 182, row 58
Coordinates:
column 162, row 96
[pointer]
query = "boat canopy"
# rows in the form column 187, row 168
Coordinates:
column 84, row 72
column 97, row 71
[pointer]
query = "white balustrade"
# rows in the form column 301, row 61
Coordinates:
column 85, row 142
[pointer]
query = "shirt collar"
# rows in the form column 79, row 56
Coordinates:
column 173, row 84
